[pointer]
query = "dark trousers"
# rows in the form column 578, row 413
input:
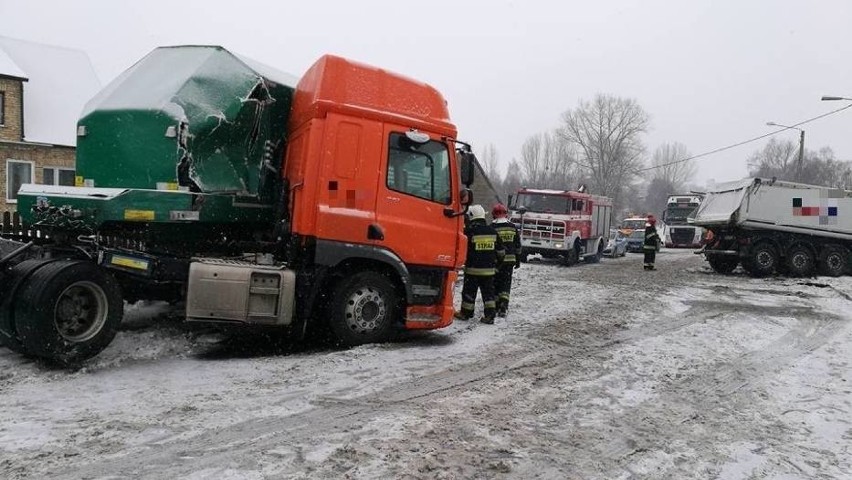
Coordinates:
column 503, row 285
column 650, row 256
column 472, row 284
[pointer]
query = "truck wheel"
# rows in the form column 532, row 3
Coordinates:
column 722, row 263
column 68, row 311
column 800, row 261
column 10, row 287
column 832, row 261
column 763, row 260
column 571, row 256
column 364, row 309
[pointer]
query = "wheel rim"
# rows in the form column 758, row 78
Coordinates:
column 366, row 309
column 763, row 259
column 81, row 311
column 834, row 261
column 800, row 260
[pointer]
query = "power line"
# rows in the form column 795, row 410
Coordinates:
column 739, row 144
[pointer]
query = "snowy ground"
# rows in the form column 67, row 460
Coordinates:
column 600, row 371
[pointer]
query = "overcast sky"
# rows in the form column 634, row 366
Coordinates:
column 710, row 73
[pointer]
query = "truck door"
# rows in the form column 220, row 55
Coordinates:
column 414, row 190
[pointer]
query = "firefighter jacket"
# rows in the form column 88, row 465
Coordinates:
column 484, row 249
column 652, row 239
column 511, row 238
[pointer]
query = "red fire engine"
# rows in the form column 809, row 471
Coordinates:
column 571, row 225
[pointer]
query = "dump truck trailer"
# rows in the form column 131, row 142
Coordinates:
column 257, row 198
column 769, row 226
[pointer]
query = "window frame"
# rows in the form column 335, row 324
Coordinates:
column 10, row 161
column 434, row 168
column 2, row 108
column 56, row 170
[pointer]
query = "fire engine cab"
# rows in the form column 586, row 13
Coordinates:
column 569, row 225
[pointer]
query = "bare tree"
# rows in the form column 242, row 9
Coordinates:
column 514, row 179
column 490, row 161
column 670, row 167
column 776, row 159
column 548, row 161
column 607, row 132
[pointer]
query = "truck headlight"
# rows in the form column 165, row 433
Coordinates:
column 558, row 245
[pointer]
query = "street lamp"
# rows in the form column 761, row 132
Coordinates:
column 801, row 146
column 830, row 98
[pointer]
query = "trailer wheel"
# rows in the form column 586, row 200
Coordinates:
column 364, row 309
column 722, row 263
column 832, row 261
column 763, row 260
column 10, row 287
column 68, row 311
column 800, row 261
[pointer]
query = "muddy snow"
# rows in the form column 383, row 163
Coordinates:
column 599, row 371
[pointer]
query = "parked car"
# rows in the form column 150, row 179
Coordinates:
column 635, row 241
column 617, row 245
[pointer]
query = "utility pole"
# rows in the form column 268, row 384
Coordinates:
column 801, row 155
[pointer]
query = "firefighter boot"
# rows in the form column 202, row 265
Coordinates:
column 487, row 320
column 460, row 316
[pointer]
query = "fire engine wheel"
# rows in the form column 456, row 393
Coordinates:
column 800, row 261
column 68, row 311
column 572, row 256
column 833, row 261
column 364, row 309
column 763, row 260
column 723, row 264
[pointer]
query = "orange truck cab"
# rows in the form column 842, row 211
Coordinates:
column 374, row 188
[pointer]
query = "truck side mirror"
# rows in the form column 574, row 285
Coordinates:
column 466, row 165
column 465, row 198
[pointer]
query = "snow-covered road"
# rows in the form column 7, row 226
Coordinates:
column 600, row 371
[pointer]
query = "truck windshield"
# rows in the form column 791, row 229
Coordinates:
column 634, row 224
column 678, row 215
column 419, row 169
column 541, row 203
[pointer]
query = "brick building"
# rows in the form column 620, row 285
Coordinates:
column 43, row 89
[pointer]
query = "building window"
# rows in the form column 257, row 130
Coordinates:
column 18, row 172
column 2, row 108
column 58, row 176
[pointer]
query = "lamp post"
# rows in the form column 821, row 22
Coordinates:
column 801, row 147
column 830, row 98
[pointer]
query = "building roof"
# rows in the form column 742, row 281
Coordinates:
column 58, row 82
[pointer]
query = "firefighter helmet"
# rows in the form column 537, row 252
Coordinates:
column 476, row 212
column 651, row 221
column 499, row 211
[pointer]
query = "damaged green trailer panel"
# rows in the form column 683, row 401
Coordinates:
column 195, row 118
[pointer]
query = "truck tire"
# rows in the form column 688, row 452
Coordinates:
column 10, row 287
column 832, row 261
column 364, row 309
column 762, row 261
column 68, row 311
column 800, row 261
column 723, row 264
column 572, row 256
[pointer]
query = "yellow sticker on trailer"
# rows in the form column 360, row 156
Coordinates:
column 129, row 262
column 139, row 215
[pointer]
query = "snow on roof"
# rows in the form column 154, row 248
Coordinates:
column 9, row 68
column 59, row 82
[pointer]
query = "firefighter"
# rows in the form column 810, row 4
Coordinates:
column 511, row 239
column 652, row 242
column 484, row 251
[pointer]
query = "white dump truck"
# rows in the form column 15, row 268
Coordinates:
column 770, row 226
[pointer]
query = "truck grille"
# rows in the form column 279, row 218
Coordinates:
column 682, row 236
column 535, row 228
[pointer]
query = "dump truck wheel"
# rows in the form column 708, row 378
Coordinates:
column 832, row 261
column 722, row 263
column 800, row 261
column 11, row 285
column 763, row 260
column 68, row 311
column 364, row 309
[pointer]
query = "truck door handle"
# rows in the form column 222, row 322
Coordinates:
column 374, row 232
